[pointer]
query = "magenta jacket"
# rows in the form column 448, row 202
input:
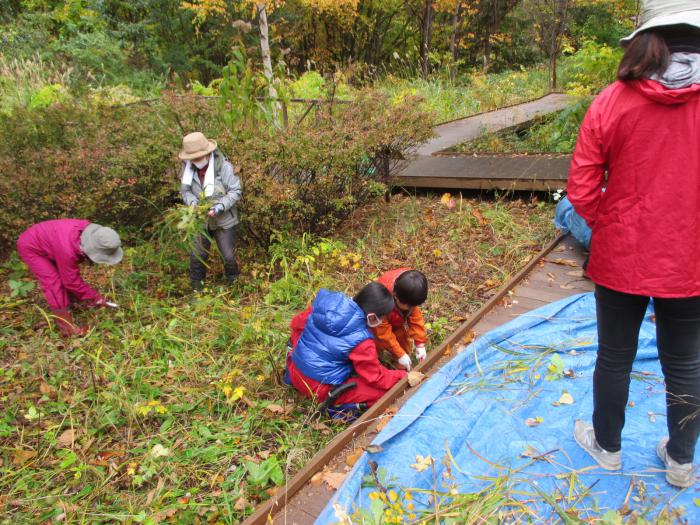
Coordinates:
column 52, row 251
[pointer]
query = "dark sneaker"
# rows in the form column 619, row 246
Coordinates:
column 677, row 474
column 585, row 437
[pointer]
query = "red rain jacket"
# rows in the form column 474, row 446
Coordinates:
column 52, row 251
column 646, row 225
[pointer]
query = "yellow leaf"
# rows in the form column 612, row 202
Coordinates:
column 422, row 463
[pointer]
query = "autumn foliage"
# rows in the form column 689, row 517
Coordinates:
column 118, row 165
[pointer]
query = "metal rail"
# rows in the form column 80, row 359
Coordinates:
column 268, row 509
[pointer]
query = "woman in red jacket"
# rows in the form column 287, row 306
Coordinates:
column 644, row 132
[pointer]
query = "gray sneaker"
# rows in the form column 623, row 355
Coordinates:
column 585, row 437
column 677, row 474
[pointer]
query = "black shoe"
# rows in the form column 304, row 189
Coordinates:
column 197, row 286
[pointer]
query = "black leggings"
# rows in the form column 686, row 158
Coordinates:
column 620, row 316
column 226, row 241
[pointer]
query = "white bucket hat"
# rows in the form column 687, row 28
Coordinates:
column 659, row 13
column 196, row 145
column 101, row 244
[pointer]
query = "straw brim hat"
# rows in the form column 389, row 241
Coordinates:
column 690, row 17
column 196, row 145
column 102, row 245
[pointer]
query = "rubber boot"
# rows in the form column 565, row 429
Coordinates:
column 65, row 324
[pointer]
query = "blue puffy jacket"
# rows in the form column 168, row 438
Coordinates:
column 336, row 326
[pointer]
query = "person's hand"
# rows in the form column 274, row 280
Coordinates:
column 103, row 303
column 216, row 209
column 405, row 362
column 420, row 352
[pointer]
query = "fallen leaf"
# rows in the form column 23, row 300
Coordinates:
column 630, row 404
column 447, row 200
column 352, row 458
column 333, row 479
column 575, row 273
column 45, row 388
column 529, row 452
column 456, row 288
column 478, row 216
column 469, row 337
column 533, row 421
column 422, row 463
column 274, row 409
column 159, row 451
column 566, row 399
column 153, row 493
column 569, row 374
column 316, row 479
column 20, row 456
column 66, row 439
column 551, row 276
column 564, row 262
column 373, row 449
column 320, row 426
column 386, row 417
column 415, row 377
column 240, row 504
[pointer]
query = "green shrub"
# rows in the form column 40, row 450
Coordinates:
column 590, row 69
column 117, row 165
column 109, row 165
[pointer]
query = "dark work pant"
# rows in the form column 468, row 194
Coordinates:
column 226, row 241
column 620, row 316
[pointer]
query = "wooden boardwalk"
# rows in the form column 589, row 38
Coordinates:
column 555, row 276
column 431, row 167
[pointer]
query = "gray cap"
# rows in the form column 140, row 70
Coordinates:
column 101, row 244
column 660, row 13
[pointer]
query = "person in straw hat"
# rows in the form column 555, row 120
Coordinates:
column 640, row 139
column 53, row 251
column 207, row 173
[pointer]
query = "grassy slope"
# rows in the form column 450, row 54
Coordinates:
column 171, row 409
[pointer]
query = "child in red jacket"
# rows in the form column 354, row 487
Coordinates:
column 405, row 322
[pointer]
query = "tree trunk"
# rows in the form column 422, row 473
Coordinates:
column 265, row 48
column 487, row 51
column 453, row 40
column 426, row 30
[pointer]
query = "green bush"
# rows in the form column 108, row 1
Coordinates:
column 117, row 165
column 590, row 69
column 110, row 165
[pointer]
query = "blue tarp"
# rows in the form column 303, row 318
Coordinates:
column 470, row 417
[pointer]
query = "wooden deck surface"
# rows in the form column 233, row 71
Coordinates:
column 557, row 276
column 430, row 166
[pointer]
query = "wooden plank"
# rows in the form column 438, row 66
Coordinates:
column 479, row 184
column 457, row 131
column 489, row 167
column 277, row 501
column 543, row 295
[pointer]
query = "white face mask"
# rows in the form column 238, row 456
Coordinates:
column 373, row 321
column 201, row 163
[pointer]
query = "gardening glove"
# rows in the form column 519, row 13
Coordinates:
column 216, row 209
column 65, row 324
column 405, row 362
column 420, row 352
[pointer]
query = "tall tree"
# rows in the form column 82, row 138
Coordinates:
column 551, row 18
